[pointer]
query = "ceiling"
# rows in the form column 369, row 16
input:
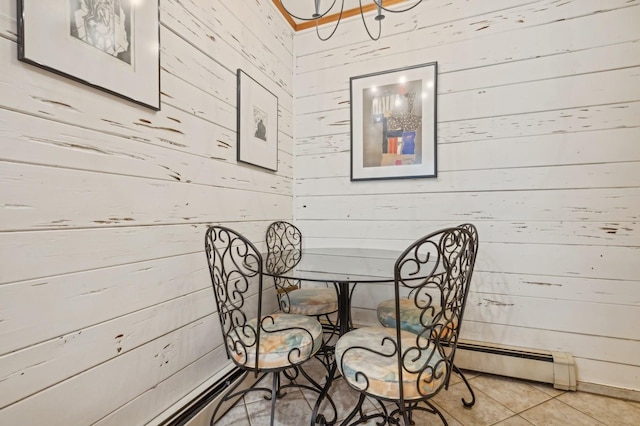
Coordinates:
column 305, row 8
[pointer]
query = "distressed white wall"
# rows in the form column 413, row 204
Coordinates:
column 538, row 145
column 106, row 310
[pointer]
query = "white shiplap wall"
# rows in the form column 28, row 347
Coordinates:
column 106, row 310
column 538, row 145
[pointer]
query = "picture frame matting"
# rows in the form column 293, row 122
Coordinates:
column 257, row 121
column 393, row 123
column 111, row 46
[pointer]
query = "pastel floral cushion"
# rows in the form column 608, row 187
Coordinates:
column 284, row 340
column 382, row 371
column 410, row 317
column 313, row 301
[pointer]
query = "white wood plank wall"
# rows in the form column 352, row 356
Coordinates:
column 106, row 310
column 538, row 145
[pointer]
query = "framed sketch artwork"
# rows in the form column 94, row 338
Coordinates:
column 112, row 45
column 393, row 123
column 257, row 123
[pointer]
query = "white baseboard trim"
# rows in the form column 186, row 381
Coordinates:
column 604, row 390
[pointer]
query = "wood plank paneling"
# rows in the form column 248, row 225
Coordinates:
column 627, row 175
column 538, row 118
column 147, row 201
column 25, row 372
column 66, row 146
column 452, row 24
column 129, row 373
column 97, row 303
column 614, row 86
column 528, row 54
column 600, row 205
column 322, row 126
column 145, row 406
column 95, row 296
column 109, row 246
column 532, row 232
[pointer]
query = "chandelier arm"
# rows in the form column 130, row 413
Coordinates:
column 334, row 28
column 364, row 22
column 312, row 19
column 379, row 3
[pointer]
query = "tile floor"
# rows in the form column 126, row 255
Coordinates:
column 499, row 401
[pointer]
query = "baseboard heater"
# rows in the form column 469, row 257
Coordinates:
column 557, row 368
column 200, row 409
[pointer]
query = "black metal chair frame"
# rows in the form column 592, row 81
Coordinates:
column 284, row 247
column 473, row 232
column 436, row 270
column 235, row 265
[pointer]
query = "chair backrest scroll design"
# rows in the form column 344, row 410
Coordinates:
column 284, row 246
column 235, row 266
column 435, row 270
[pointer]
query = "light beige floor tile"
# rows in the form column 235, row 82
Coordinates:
column 609, row 411
column 634, row 403
column 557, row 413
column 423, row 418
column 236, row 416
column 468, row 374
column 497, row 399
column 486, row 410
column 315, row 369
column 548, row 389
column 514, row 421
column 291, row 410
column 516, row 395
column 257, row 395
column 419, row 417
column 344, row 397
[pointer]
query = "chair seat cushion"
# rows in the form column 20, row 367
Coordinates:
column 313, row 301
column 359, row 365
column 412, row 318
column 409, row 315
column 285, row 339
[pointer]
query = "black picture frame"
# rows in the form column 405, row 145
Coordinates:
column 96, row 44
column 257, row 121
column 393, row 123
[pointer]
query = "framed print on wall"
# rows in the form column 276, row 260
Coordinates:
column 257, row 123
column 393, row 123
column 112, row 45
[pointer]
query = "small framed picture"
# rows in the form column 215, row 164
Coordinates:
column 112, row 45
column 257, row 123
column 393, row 123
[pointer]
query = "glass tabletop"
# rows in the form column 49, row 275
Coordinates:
column 333, row 264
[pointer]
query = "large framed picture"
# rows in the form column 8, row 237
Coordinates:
column 257, row 123
column 112, row 45
column 393, row 123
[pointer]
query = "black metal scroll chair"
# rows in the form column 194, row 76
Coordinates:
column 411, row 315
column 391, row 364
column 284, row 246
column 256, row 342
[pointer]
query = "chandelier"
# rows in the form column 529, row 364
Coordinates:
column 321, row 10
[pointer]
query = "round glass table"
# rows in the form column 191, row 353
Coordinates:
column 343, row 267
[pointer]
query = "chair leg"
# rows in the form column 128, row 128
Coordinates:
column 323, row 393
column 464, row 379
column 279, row 393
column 275, row 390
